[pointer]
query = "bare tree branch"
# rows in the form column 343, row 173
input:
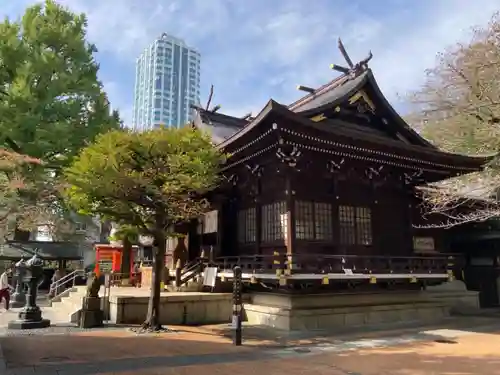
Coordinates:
column 458, row 109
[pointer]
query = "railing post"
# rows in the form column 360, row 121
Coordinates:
column 449, row 268
column 178, row 273
column 237, row 305
column 167, row 276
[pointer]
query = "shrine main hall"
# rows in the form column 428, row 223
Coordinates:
column 322, row 195
column 334, row 173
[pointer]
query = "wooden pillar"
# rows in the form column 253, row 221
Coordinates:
column 229, row 237
column 258, row 217
column 335, row 212
column 234, row 244
column 409, row 222
column 217, row 251
column 376, row 219
column 290, row 208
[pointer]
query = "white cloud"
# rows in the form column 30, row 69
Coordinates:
column 258, row 49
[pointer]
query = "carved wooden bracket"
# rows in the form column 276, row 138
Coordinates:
column 255, row 170
column 233, row 179
column 374, row 172
column 412, row 178
column 289, row 157
column 378, row 176
column 334, row 167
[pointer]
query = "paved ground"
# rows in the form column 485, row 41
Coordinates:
column 205, row 350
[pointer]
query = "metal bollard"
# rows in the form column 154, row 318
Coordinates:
column 237, row 305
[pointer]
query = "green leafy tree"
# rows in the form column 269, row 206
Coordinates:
column 151, row 181
column 51, row 102
column 458, row 109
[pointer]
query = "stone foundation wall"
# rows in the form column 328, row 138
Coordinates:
column 344, row 317
column 342, row 311
column 302, row 312
column 177, row 309
column 455, row 294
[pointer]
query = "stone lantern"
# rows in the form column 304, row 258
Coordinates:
column 30, row 316
column 19, row 297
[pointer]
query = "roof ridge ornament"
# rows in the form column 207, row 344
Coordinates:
column 210, row 96
column 354, row 69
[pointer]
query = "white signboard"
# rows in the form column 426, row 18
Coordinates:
column 234, row 322
column 210, row 276
column 210, row 222
column 348, row 271
column 105, row 265
column 423, row 244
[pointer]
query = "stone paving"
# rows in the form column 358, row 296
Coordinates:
column 202, row 350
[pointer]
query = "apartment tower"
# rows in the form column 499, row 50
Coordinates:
column 167, row 83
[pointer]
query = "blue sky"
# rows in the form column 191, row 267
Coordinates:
column 254, row 50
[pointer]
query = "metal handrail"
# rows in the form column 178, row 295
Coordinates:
column 63, row 281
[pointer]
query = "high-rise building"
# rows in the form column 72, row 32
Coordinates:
column 167, row 83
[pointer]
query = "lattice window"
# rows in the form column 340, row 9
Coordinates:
column 347, row 223
column 313, row 221
column 363, row 226
column 323, row 224
column 304, row 220
column 251, row 225
column 274, row 222
column 355, row 225
column 247, row 225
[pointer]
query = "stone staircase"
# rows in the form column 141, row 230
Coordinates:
column 69, row 303
column 193, row 285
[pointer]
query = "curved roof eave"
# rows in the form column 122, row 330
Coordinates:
column 251, row 125
column 366, row 77
column 395, row 114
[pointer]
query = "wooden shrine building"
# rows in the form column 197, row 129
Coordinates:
column 326, row 186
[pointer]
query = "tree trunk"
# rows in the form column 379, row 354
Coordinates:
column 152, row 319
column 105, row 231
column 126, row 259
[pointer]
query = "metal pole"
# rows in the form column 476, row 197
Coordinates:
column 237, row 306
column 105, row 299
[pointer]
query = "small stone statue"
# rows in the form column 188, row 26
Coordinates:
column 93, row 286
column 91, row 315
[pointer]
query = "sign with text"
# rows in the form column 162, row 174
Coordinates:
column 105, row 265
column 423, row 244
column 210, row 276
column 210, row 222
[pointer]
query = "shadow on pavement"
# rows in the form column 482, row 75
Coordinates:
column 99, row 352
column 275, row 338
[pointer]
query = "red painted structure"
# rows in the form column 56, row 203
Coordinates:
column 109, row 258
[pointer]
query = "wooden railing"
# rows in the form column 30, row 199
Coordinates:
column 321, row 263
column 187, row 273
